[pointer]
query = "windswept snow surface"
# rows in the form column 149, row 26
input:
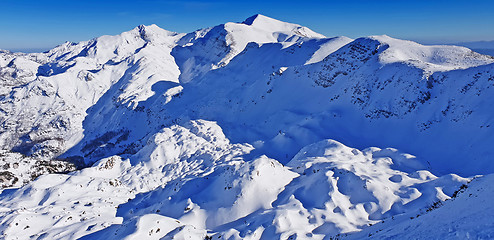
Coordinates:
column 191, row 181
column 472, row 210
column 227, row 132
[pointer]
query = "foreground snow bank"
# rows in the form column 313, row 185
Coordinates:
column 190, row 181
column 467, row 216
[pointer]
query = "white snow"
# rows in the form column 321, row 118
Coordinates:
column 196, row 180
column 254, row 130
column 468, row 216
column 431, row 58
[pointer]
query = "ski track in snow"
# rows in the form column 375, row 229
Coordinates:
column 226, row 132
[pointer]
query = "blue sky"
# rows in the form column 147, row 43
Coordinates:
column 35, row 24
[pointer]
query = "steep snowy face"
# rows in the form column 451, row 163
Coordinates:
column 433, row 105
column 329, row 46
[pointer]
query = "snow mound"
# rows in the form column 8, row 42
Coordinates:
column 466, row 216
column 72, row 205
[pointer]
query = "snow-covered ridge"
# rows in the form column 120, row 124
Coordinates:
column 212, row 48
column 273, row 25
column 179, row 134
column 431, row 58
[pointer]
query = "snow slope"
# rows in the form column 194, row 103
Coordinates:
column 472, row 218
column 194, row 182
column 226, row 132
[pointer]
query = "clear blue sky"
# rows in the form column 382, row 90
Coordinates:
column 44, row 24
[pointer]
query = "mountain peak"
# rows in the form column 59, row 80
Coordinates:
column 260, row 20
column 148, row 28
column 151, row 33
column 256, row 18
column 274, row 25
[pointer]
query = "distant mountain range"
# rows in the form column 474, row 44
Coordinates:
column 484, row 47
column 478, row 44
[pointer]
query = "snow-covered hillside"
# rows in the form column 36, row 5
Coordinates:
column 191, row 181
column 226, row 132
column 471, row 219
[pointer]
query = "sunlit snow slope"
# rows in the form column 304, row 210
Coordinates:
column 227, row 132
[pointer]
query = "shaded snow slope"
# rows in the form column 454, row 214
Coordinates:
column 267, row 96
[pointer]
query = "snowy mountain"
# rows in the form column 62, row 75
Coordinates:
column 241, row 131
